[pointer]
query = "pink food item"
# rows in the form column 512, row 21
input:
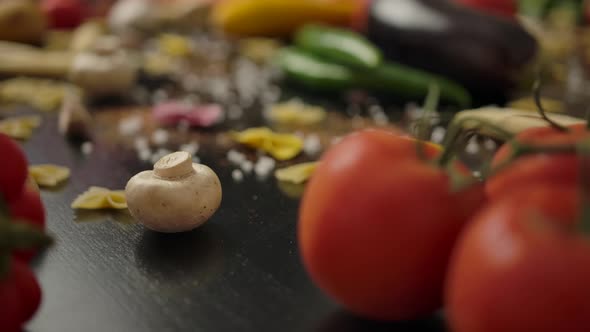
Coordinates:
column 173, row 112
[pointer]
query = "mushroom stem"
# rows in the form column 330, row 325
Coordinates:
column 175, row 165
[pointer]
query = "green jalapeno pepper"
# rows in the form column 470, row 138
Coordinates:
column 338, row 45
column 319, row 74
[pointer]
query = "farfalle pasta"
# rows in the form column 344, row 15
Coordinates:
column 48, row 175
column 97, row 198
column 279, row 146
column 296, row 174
column 20, row 127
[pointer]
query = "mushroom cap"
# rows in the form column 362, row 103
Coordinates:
column 175, row 204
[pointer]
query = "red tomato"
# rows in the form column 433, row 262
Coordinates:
column 29, row 289
column 14, row 168
column 498, row 7
column 20, row 297
column 377, row 225
column 28, row 208
column 64, row 14
column 522, row 266
column 538, row 168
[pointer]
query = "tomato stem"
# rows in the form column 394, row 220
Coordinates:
column 540, row 109
column 519, row 150
column 455, row 131
column 19, row 235
column 430, row 104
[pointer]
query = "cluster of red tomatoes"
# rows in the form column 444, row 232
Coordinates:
column 384, row 232
column 22, row 223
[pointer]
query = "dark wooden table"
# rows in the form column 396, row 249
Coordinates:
column 239, row 272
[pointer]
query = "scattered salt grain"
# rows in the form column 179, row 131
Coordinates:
column 144, row 154
column 247, row 166
column 191, row 148
column 130, row 125
column 472, row 146
column 160, row 137
column 264, row 166
column 141, row 143
column 237, row 175
column 87, row 148
column 477, row 174
column 235, row 157
column 312, row 145
column 380, row 119
column 438, row 134
column 490, row 144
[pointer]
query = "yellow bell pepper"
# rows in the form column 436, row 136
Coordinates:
column 279, row 18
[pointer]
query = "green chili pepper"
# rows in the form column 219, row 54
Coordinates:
column 412, row 83
column 314, row 72
column 338, row 45
column 319, row 74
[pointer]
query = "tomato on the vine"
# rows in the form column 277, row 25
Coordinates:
column 534, row 169
column 14, row 168
column 522, row 265
column 28, row 208
column 377, row 225
column 20, row 296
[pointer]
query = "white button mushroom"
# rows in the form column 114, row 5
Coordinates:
column 177, row 196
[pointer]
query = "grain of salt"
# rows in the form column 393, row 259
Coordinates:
column 237, row 175
column 160, row 137
column 87, row 148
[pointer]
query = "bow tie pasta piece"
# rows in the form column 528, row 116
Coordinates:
column 47, row 175
column 21, row 127
column 296, row 174
column 295, row 112
column 100, row 198
column 279, row 146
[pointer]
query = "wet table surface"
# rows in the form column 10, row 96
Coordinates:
column 239, row 272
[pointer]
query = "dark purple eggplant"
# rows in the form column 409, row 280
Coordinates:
column 483, row 52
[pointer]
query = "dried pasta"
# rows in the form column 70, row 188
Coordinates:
column 279, row 146
column 20, row 127
column 47, row 175
column 100, row 198
column 296, row 174
column 295, row 112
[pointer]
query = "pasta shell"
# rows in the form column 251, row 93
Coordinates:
column 47, row 175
